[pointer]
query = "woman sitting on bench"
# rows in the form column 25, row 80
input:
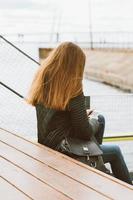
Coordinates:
column 57, row 87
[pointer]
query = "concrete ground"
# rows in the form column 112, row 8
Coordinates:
column 114, row 67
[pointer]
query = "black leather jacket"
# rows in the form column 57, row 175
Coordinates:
column 53, row 125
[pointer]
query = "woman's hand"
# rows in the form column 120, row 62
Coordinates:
column 89, row 111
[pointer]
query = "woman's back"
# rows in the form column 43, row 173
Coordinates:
column 53, row 125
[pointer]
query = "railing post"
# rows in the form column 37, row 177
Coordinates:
column 57, row 37
column 90, row 26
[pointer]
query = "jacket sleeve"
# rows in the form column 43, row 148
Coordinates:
column 79, row 119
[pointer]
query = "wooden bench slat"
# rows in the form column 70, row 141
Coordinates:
column 78, row 171
column 28, row 184
column 61, row 182
column 8, row 192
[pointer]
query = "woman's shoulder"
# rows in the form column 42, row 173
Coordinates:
column 78, row 97
column 77, row 100
column 41, row 107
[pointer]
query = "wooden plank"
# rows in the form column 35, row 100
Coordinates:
column 78, row 171
column 30, row 185
column 60, row 182
column 9, row 192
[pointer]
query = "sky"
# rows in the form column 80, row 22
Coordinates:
column 26, row 16
column 17, row 13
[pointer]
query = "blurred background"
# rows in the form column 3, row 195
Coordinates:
column 103, row 28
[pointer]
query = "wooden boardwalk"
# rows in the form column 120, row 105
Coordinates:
column 31, row 171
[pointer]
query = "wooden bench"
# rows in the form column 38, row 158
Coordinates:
column 32, row 171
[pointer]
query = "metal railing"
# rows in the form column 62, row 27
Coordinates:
column 120, row 40
column 17, row 71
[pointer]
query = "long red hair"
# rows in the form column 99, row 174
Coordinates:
column 59, row 78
